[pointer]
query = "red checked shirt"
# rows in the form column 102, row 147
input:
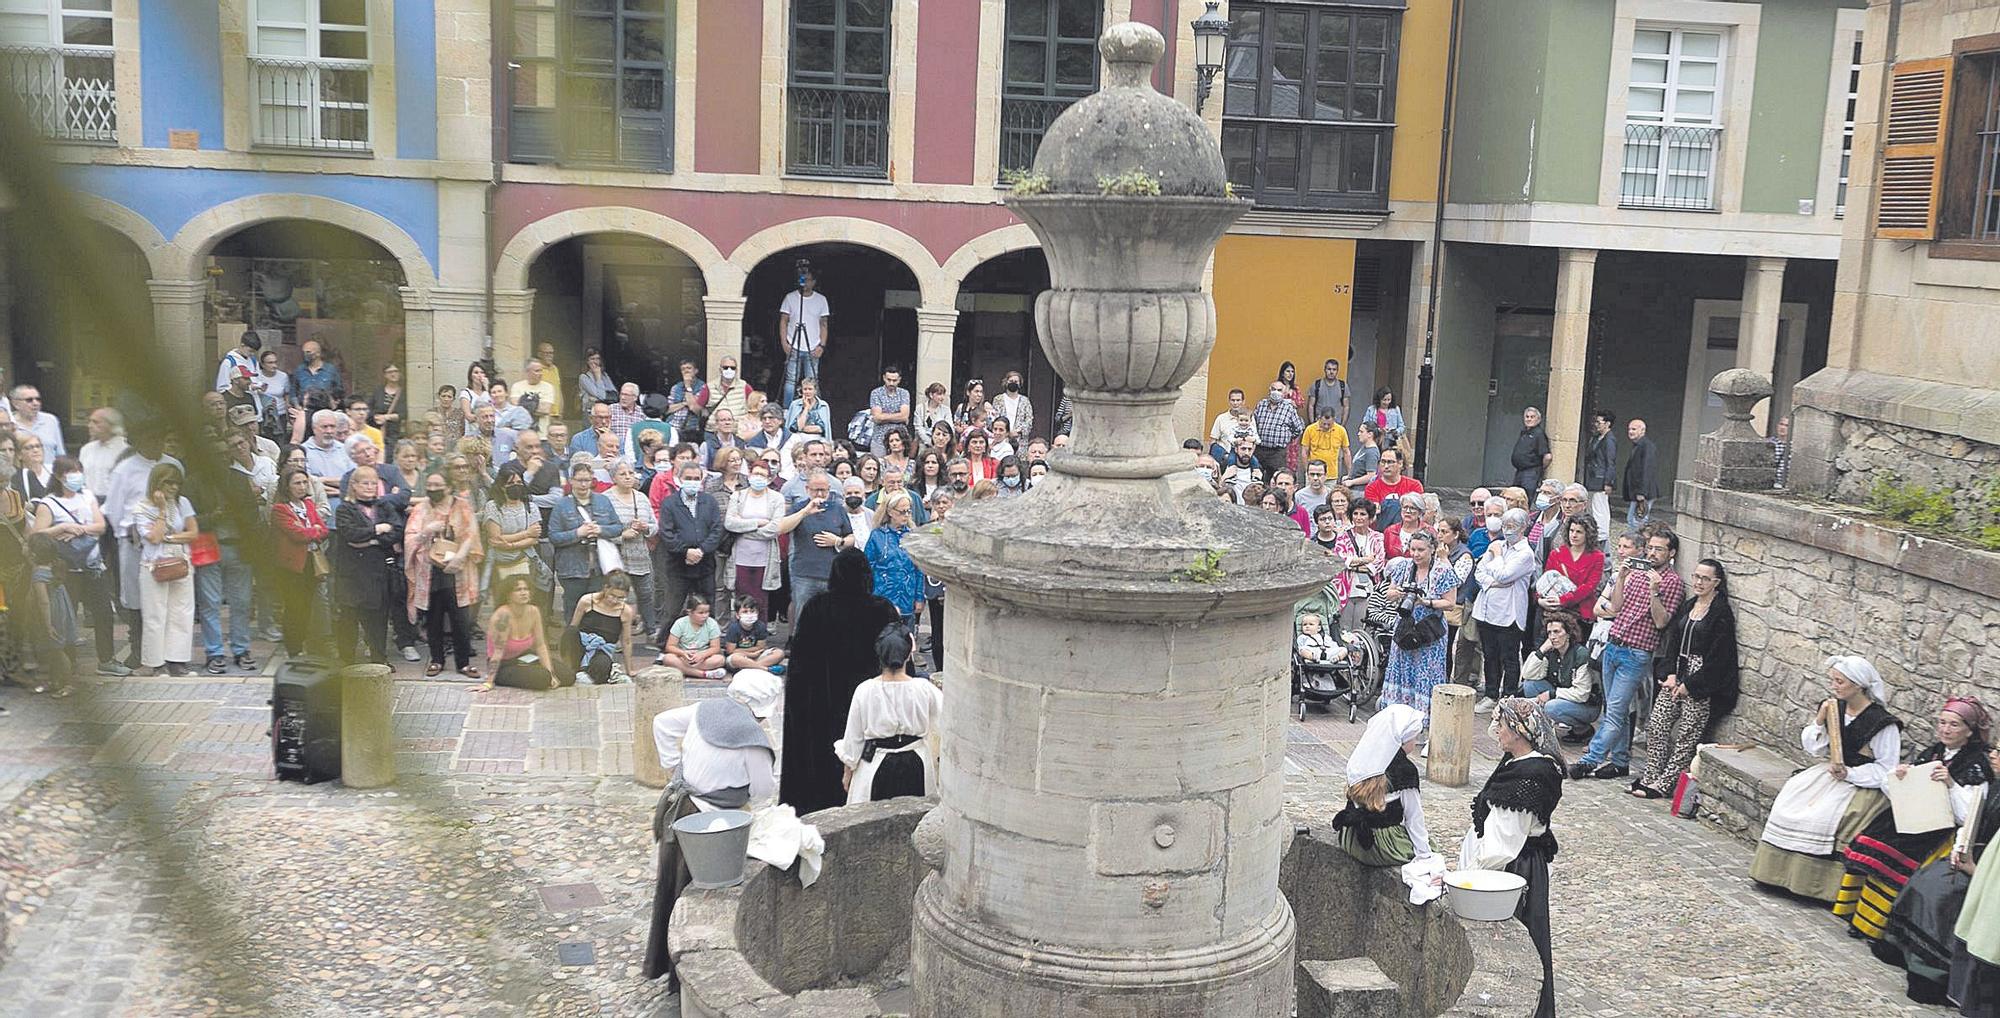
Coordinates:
column 1633, row 626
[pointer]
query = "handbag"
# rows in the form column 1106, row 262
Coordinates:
column 1687, row 796
column 206, row 550
column 1415, row 634
column 443, row 549
column 82, row 553
column 321, row 566
column 167, row 570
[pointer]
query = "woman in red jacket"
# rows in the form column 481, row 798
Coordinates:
column 1580, row 560
column 978, row 453
column 299, row 529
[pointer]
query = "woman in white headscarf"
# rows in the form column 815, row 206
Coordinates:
column 1383, row 822
column 1821, row 809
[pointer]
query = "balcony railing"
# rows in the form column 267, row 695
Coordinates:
column 1023, row 121
column 68, row 91
column 839, row 132
column 320, row 105
column 1669, row 166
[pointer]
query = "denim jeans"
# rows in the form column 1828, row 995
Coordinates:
column 1626, row 670
column 1633, row 520
column 1559, row 710
column 803, row 590
column 227, row 582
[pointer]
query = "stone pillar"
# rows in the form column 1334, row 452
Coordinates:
column 654, row 690
column 513, row 336
column 420, row 359
column 367, row 728
column 1110, row 817
column 444, row 330
column 725, row 331
column 1735, row 455
column 180, row 319
column 936, row 333
column 1563, row 417
column 1757, row 332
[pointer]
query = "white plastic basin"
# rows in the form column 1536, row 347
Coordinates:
column 1485, row 896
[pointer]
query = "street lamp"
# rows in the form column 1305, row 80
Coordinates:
column 1211, row 31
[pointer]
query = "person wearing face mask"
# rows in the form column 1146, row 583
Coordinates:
column 1505, row 572
column 578, row 520
column 1014, row 406
column 747, row 641
column 70, row 517
column 854, row 498
column 441, row 553
column 1012, row 481
column 511, row 530
column 729, row 392
column 753, row 514
column 691, row 529
column 368, row 532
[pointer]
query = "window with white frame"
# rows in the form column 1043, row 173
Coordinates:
column 309, row 74
column 1847, row 126
column 1673, row 123
column 56, row 57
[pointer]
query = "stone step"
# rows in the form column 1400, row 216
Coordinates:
column 1738, row 785
column 1347, row 988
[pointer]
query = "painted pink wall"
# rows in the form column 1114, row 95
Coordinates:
column 728, row 94
column 729, row 218
column 947, row 80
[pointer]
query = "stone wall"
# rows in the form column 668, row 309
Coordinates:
column 1809, row 581
column 1875, row 449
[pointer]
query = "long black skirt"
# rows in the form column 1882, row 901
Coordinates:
column 670, row 878
column 898, row 774
column 1533, row 912
column 1919, row 936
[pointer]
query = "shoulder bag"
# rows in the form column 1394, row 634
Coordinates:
column 82, row 553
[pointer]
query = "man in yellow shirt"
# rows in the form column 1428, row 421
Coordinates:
column 537, row 382
column 546, row 353
column 1326, row 441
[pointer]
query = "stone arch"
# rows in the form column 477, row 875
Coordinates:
column 196, row 239
column 511, row 271
column 936, row 288
column 992, row 244
column 133, row 227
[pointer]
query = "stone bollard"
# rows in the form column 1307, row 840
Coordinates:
column 654, row 690
column 1453, row 726
column 367, row 727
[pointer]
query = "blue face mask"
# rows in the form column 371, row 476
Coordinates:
column 73, row 482
column 758, row 482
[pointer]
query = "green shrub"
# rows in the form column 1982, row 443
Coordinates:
column 1026, row 183
column 1129, row 183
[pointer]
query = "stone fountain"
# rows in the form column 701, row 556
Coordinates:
column 1110, row 823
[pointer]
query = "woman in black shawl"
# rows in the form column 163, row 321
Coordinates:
column 832, row 653
column 366, row 559
column 1921, row 938
column 1697, row 670
column 1510, row 822
column 1882, row 859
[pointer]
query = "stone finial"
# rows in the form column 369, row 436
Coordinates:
column 1735, row 455
column 1127, row 130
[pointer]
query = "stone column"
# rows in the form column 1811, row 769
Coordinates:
column 1757, row 331
column 180, row 319
column 451, row 334
column 420, row 355
column 1563, row 417
column 1110, row 820
column 725, row 331
column 513, row 336
column 367, row 726
column 654, row 692
column 936, row 333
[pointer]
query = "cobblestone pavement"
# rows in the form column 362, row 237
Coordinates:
column 151, row 867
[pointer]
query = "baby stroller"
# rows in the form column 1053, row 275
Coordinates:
column 1342, row 666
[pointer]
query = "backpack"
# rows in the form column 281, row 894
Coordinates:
column 860, row 428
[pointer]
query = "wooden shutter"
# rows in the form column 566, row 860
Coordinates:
column 1913, row 130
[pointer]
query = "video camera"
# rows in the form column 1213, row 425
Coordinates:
column 802, row 268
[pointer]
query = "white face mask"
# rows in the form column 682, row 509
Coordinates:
column 728, row 373
column 1492, row 524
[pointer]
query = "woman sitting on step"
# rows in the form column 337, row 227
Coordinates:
column 1383, row 822
column 1882, row 859
column 1821, row 809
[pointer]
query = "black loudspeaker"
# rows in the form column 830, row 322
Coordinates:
column 305, row 721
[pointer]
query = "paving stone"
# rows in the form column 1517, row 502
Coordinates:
column 493, row 746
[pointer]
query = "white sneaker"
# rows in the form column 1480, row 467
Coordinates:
column 583, row 679
column 410, row 654
column 716, row 673
column 1485, row 705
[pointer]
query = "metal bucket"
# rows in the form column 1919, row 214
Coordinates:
column 715, row 845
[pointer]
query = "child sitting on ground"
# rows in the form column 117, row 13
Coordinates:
column 1314, row 646
column 747, row 641
column 694, row 643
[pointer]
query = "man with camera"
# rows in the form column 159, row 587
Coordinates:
column 1645, row 594
column 802, row 317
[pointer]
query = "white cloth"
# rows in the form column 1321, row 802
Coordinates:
column 758, row 690
column 1503, row 574
column 1805, row 817
column 231, row 361
column 882, row 710
column 778, row 838
column 1422, row 874
column 167, row 620
column 1861, row 673
column 807, row 312
column 1554, row 584
column 98, row 458
column 1384, row 737
column 705, row 768
column 1600, row 510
